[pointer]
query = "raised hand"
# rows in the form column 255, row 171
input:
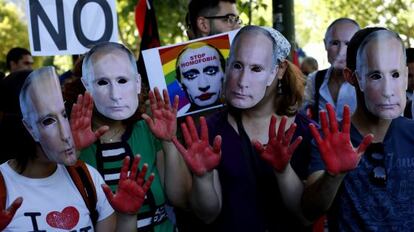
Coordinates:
column 80, row 123
column 163, row 123
column 336, row 148
column 199, row 156
column 7, row 215
column 278, row 150
column 131, row 188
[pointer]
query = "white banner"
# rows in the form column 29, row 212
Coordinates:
column 65, row 27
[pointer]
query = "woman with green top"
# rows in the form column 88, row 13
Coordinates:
column 110, row 75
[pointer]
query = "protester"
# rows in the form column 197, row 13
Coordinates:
column 10, row 123
column 201, row 79
column 233, row 189
column 364, row 186
column 409, row 109
column 309, row 65
column 110, row 74
column 329, row 85
column 19, row 59
column 47, row 198
column 210, row 17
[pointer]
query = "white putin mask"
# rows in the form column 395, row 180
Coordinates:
column 113, row 84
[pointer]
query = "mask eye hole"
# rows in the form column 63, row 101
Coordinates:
column 102, row 82
column 122, row 81
column 48, row 121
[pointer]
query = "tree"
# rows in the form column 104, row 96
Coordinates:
column 13, row 31
column 171, row 19
column 314, row 16
column 170, row 22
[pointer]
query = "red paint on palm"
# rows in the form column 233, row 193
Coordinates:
column 80, row 123
column 336, row 148
column 163, row 123
column 199, row 156
column 131, row 188
column 7, row 215
column 278, row 151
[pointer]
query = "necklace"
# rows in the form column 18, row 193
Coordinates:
column 115, row 136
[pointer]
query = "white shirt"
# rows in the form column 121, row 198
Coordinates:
column 346, row 95
column 52, row 203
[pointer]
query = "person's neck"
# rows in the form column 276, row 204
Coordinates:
column 367, row 123
column 36, row 168
column 256, row 120
column 259, row 112
column 337, row 76
column 115, row 132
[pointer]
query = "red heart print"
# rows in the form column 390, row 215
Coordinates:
column 65, row 220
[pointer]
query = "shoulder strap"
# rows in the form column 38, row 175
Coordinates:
column 3, row 193
column 320, row 76
column 81, row 177
column 407, row 110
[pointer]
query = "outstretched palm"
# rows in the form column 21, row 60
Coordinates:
column 336, row 148
column 80, row 123
column 131, row 188
column 278, row 151
column 163, row 123
column 7, row 215
column 199, row 156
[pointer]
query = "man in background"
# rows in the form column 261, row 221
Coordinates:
column 210, row 17
column 309, row 65
column 19, row 59
column 329, row 85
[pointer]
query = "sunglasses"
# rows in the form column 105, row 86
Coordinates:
column 376, row 155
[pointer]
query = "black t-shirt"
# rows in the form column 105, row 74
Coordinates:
column 251, row 198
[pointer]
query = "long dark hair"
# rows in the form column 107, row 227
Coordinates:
column 15, row 140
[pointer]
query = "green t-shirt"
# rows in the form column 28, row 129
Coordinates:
column 108, row 159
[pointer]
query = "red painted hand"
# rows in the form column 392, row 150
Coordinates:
column 7, row 215
column 163, row 123
column 278, row 150
column 199, row 156
column 336, row 148
column 131, row 188
column 80, row 123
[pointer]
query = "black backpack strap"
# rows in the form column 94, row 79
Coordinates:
column 3, row 193
column 320, row 76
column 407, row 110
column 81, row 177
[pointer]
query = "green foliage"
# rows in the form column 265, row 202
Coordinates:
column 13, row 32
column 313, row 16
column 171, row 19
column 255, row 12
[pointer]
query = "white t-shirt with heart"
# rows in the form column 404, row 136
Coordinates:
column 52, row 203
